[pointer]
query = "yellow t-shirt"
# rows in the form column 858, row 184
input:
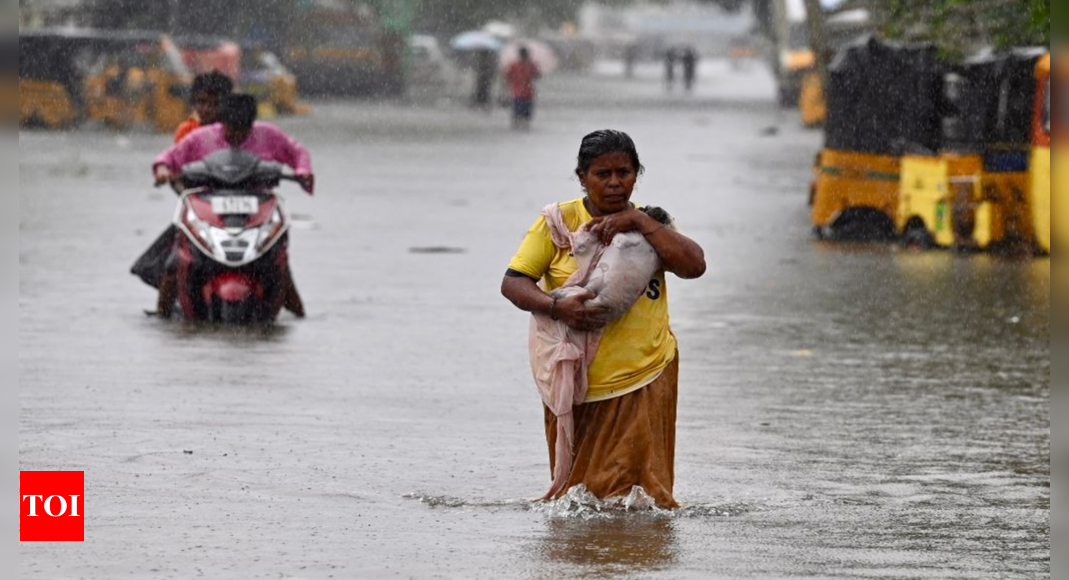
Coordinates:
column 636, row 348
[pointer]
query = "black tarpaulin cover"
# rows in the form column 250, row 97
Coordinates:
column 998, row 99
column 885, row 98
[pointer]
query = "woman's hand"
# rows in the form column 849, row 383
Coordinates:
column 574, row 312
column 606, row 228
column 681, row 255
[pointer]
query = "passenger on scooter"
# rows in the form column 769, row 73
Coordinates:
column 239, row 130
column 209, row 90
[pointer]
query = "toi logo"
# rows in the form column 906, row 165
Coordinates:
column 52, row 506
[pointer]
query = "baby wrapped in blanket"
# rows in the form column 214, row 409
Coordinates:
column 619, row 275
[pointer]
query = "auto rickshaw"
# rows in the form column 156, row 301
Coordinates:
column 973, row 192
column 50, row 82
column 842, row 29
column 117, row 78
column 264, row 75
column 883, row 103
column 1043, row 219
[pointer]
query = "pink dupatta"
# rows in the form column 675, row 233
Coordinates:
column 561, row 357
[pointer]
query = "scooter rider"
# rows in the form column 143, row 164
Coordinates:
column 239, row 130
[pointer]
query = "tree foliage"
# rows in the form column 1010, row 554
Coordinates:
column 959, row 26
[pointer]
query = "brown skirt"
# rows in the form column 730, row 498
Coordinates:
column 627, row 441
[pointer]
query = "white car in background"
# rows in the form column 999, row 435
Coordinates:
column 431, row 74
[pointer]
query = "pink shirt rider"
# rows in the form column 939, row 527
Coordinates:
column 266, row 141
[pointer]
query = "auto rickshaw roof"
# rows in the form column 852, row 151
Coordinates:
column 94, row 35
column 884, row 98
column 48, row 54
column 997, row 100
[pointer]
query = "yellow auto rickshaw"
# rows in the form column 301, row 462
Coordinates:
column 1043, row 219
column 263, row 75
column 50, row 84
column 973, row 191
column 881, row 105
column 118, row 78
column 813, row 106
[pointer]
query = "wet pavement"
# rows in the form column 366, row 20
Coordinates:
column 845, row 411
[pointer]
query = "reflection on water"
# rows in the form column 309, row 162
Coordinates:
column 621, row 546
column 238, row 335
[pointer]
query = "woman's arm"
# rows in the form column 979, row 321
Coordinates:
column 681, row 255
column 527, row 296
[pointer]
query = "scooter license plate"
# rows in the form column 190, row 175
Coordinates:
column 235, row 205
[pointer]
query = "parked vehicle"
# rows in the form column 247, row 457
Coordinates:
column 343, row 48
column 264, row 75
column 794, row 60
column 974, row 191
column 872, row 124
column 232, row 251
column 118, row 78
column 430, row 70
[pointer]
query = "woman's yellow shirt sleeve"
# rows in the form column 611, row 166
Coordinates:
column 536, row 253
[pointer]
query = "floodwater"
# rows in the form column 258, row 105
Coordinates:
column 845, row 411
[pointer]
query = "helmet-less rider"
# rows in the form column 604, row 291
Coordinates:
column 239, row 129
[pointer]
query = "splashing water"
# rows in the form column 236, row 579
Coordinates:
column 580, row 504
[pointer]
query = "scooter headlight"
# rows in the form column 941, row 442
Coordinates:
column 199, row 230
column 270, row 231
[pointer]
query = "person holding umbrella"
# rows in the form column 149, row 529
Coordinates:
column 521, row 77
column 484, row 49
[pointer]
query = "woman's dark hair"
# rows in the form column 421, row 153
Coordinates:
column 239, row 111
column 214, row 83
column 605, row 142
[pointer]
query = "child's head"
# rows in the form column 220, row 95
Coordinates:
column 209, row 90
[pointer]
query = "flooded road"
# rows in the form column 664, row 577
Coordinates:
column 845, row 412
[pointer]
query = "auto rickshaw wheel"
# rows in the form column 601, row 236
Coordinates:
column 918, row 238
column 35, row 122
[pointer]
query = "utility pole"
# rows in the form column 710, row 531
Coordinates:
column 818, row 39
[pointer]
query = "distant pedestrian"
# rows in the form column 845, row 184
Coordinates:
column 670, row 58
column 690, row 68
column 485, row 72
column 521, row 77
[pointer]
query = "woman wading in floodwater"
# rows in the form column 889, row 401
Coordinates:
column 624, row 433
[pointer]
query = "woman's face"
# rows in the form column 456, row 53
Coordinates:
column 609, row 183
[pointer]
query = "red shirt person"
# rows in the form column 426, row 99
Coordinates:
column 521, row 77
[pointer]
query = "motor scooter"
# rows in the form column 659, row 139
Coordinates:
column 231, row 252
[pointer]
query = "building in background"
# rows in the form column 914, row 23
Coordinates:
column 652, row 28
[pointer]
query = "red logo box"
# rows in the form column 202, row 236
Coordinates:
column 52, row 506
